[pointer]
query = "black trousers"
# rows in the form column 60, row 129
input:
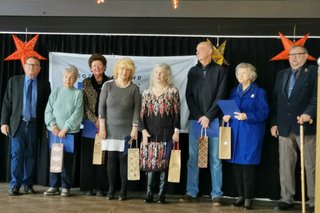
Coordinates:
column 114, row 159
column 245, row 176
column 92, row 177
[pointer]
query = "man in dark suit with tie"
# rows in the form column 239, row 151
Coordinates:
column 295, row 103
column 22, row 119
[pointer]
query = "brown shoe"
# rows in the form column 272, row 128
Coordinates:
column 217, row 202
column 187, row 199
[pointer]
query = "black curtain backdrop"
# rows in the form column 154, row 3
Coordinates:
column 257, row 51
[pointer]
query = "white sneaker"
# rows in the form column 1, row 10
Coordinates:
column 65, row 192
column 52, row 191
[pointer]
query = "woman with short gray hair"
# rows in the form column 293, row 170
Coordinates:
column 63, row 115
column 248, row 128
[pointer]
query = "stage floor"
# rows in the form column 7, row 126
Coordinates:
column 78, row 202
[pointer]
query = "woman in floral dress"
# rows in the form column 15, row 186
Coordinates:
column 160, row 119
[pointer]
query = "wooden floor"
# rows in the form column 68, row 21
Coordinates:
column 82, row 203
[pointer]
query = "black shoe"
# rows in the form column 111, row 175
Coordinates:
column 28, row 190
column 247, row 204
column 311, row 209
column 161, row 199
column 149, row 198
column 13, row 192
column 100, row 193
column 284, row 206
column 89, row 193
column 110, row 197
column 239, row 202
column 187, row 199
column 122, row 197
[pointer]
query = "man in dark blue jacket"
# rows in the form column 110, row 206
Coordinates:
column 294, row 103
column 22, row 119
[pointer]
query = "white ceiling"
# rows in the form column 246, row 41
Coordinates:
column 163, row 8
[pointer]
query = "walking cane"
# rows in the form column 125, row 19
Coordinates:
column 303, row 193
column 303, row 197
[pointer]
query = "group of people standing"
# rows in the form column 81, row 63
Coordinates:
column 115, row 107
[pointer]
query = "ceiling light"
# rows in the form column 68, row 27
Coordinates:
column 99, row 1
column 175, row 4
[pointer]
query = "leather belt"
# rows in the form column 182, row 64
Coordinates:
column 29, row 121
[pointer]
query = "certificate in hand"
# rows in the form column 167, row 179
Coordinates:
column 228, row 107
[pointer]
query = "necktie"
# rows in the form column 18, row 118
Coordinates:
column 28, row 106
column 292, row 81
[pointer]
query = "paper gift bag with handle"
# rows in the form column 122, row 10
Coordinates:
column 56, row 159
column 225, row 141
column 98, row 153
column 175, row 164
column 133, row 161
column 203, row 149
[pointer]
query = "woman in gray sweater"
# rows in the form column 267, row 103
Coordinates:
column 119, row 107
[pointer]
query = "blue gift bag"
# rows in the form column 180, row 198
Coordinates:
column 68, row 141
column 89, row 129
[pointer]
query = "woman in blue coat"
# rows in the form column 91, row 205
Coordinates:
column 248, row 128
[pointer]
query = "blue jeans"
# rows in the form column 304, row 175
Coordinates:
column 23, row 155
column 60, row 179
column 193, row 169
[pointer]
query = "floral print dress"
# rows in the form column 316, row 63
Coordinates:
column 160, row 115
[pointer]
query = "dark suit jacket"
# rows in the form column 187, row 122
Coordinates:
column 13, row 103
column 303, row 100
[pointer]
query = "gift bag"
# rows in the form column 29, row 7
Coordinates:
column 203, row 149
column 67, row 141
column 98, row 153
column 152, row 157
column 175, row 164
column 56, row 158
column 133, row 162
column 225, row 142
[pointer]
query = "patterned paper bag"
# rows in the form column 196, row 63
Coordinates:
column 133, row 162
column 56, row 159
column 203, row 149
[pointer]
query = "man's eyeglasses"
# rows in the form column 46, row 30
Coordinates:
column 296, row 54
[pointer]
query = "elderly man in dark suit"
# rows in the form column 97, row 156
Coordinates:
column 295, row 102
column 22, row 119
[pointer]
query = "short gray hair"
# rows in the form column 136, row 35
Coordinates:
column 72, row 70
column 167, row 70
column 299, row 46
column 252, row 70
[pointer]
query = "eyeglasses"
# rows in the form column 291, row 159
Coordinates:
column 33, row 65
column 296, row 54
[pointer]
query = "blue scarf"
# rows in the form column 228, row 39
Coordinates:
column 241, row 92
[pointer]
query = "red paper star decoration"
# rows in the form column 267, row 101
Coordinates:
column 287, row 44
column 24, row 50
